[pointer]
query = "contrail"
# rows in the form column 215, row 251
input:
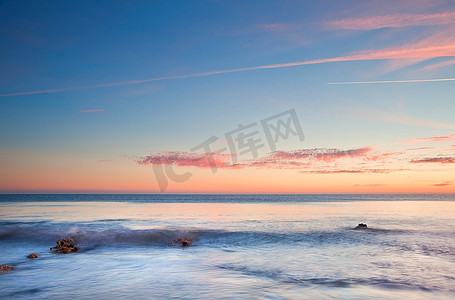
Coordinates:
column 427, row 52
column 210, row 73
column 393, row 81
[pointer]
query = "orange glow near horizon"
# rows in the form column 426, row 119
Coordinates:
column 131, row 179
column 404, row 167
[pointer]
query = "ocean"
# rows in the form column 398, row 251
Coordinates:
column 244, row 246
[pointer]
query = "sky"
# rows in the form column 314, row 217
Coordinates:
column 287, row 96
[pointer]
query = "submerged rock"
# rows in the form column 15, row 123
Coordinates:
column 65, row 246
column 361, row 226
column 6, row 268
column 183, row 241
column 33, row 255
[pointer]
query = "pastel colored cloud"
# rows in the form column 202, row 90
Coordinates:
column 392, row 20
column 277, row 159
column 442, row 138
column 442, row 160
column 393, row 81
column 391, row 117
column 91, row 110
column 443, row 184
column 319, row 154
column 354, row 171
column 438, row 65
column 186, row 159
column 368, row 159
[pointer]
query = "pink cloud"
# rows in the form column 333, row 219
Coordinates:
column 393, row 20
column 449, row 137
column 363, row 160
column 440, row 159
column 278, row 159
column 443, row 184
column 267, row 162
column 393, row 81
column 353, row 171
column 383, row 156
column 319, row 154
column 420, row 148
column 185, row 159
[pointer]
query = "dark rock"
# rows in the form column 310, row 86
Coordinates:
column 362, row 226
column 183, row 241
column 65, row 246
column 6, row 268
column 33, row 255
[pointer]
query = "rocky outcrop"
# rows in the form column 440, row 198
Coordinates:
column 361, row 226
column 183, row 241
column 65, row 246
column 33, row 255
column 6, row 268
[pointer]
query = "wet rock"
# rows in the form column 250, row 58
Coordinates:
column 65, row 246
column 183, row 241
column 361, row 226
column 33, row 255
column 6, row 268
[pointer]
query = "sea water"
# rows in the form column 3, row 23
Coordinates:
column 245, row 246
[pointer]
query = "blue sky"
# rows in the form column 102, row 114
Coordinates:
column 62, row 52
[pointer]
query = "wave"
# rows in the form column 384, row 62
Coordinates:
column 111, row 233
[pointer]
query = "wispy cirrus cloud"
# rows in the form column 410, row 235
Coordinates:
column 425, row 49
column 371, row 22
column 276, row 26
column 384, row 155
column 91, row 110
column 354, row 171
column 439, row 159
column 104, row 161
column 438, row 65
column 443, row 184
column 392, row 20
column 394, row 118
column 371, row 184
column 392, row 81
column 419, row 148
column 442, row 138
